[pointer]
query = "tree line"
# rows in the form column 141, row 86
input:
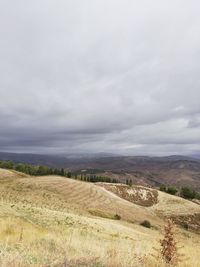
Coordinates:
column 185, row 192
column 93, row 178
column 40, row 170
column 35, row 170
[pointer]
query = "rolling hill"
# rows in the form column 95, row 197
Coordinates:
column 153, row 171
column 52, row 221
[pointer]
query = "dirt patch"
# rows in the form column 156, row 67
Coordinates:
column 188, row 222
column 136, row 194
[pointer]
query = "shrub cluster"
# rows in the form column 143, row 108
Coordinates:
column 117, row 217
column 169, row 189
column 189, row 193
column 33, row 169
column 129, row 182
column 93, row 178
column 146, row 224
column 184, row 192
column 45, row 170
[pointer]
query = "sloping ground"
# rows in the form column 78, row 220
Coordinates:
column 40, row 237
column 153, row 171
column 8, row 174
column 136, row 194
column 44, row 221
column 185, row 213
column 82, row 197
column 86, row 196
column 172, row 205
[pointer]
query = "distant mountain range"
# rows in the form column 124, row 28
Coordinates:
column 196, row 156
column 154, row 171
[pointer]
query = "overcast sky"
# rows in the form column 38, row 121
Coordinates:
column 118, row 76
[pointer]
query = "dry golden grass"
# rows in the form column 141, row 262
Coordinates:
column 45, row 222
column 173, row 205
column 11, row 174
column 108, row 247
column 86, row 196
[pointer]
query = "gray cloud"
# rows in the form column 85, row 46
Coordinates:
column 90, row 76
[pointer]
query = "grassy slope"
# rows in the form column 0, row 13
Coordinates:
column 173, row 205
column 45, row 220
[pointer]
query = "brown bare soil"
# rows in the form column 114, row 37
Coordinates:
column 139, row 195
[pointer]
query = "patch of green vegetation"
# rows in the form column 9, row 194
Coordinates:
column 33, row 169
column 103, row 214
column 146, row 224
column 117, row 217
column 93, row 178
column 172, row 190
column 189, row 193
column 184, row 192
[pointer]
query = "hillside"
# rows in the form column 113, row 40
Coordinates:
column 153, row 171
column 184, row 212
column 52, row 221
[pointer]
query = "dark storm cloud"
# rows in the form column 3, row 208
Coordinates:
column 89, row 76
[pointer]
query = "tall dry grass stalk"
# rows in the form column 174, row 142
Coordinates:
column 169, row 247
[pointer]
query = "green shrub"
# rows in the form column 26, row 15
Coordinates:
column 146, row 224
column 104, row 214
column 117, row 217
column 188, row 193
column 163, row 188
column 185, row 225
column 168, row 189
column 172, row 190
column 197, row 195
